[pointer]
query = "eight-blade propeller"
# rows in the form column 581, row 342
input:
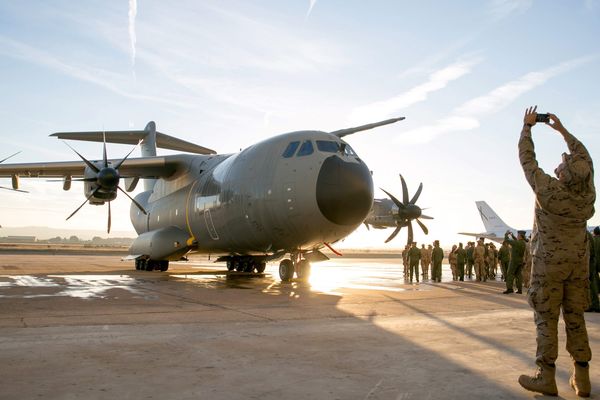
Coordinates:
column 105, row 182
column 407, row 211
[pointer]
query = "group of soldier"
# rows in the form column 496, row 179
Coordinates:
column 481, row 260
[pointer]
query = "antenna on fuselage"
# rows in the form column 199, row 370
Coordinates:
column 348, row 131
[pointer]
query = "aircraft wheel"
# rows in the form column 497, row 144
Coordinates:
column 248, row 266
column 164, row 265
column 260, row 267
column 286, row 270
column 303, row 269
column 239, row 266
column 138, row 264
column 230, row 265
column 150, row 264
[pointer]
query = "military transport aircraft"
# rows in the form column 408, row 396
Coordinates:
column 393, row 213
column 293, row 194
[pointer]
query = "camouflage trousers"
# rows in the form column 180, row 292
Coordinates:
column 425, row 269
column 514, row 276
column 436, row 271
column 547, row 294
column 480, row 270
column 414, row 270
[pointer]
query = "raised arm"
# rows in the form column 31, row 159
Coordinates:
column 536, row 177
column 576, row 148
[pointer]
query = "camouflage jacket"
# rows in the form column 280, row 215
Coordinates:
column 561, row 214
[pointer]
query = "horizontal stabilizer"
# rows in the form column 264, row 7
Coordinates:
column 133, row 137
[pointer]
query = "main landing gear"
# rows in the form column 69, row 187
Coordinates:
column 246, row 264
column 287, row 268
column 142, row 264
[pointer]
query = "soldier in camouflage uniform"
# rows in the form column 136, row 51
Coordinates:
column 437, row 256
column 479, row 259
column 515, row 267
column 527, row 265
column 504, row 258
column 470, row 260
column 414, row 256
column 559, row 246
column 425, row 260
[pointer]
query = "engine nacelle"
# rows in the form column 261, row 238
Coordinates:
column 162, row 244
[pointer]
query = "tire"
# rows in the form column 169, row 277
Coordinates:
column 164, row 265
column 230, row 265
column 248, row 266
column 286, row 270
column 150, row 265
column 303, row 268
column 260, row 267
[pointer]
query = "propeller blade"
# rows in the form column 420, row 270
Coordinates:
column 1, row 161
column 425, row 230
column 425, row 217
column 82, row 204
column 109, row 219
column 367, row 225
column 404, row 190
column 128, row 154
column 14, row 190
column 104, row 157
column 410, row 233
column 393, row 235
column 88, row 163
column 394, row 199
column 417, row 194
column 134, row 202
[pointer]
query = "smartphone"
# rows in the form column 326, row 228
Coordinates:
column 542, row 118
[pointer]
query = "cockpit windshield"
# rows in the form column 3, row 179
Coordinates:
column 328, row 146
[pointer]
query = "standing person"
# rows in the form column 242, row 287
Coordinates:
column 517, row 255
column 461, row 257
column 594, row 262
column 405, row 260
column 414, row 256
column 452, row 262
column 437, row 256
column 504, row 258
column 479, row 259
column 559, row 274
column 470, row 259
column 425, row 260
column 429, row 254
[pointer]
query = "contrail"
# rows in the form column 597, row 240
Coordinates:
column 312, row 4
column 132, row 14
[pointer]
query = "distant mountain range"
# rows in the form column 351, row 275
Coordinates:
column 45, row 232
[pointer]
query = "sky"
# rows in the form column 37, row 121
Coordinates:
column 226, row 74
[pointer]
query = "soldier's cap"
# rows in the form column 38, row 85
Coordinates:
column 521, row 233
column 597, row 230
column 480, row 239
column 579, row 168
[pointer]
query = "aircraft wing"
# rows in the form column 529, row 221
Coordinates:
column 148, row 167
column 484, row 235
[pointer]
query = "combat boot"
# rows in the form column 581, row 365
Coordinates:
column 580, row 380
column 542, row 382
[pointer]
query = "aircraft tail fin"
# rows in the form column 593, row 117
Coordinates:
column 150, row 140
column 491, row 221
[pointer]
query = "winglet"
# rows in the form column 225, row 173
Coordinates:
column 348, row 131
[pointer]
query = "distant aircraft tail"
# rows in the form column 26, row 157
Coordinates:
column 491, row 221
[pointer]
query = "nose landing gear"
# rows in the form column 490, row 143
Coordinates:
column 287, row 268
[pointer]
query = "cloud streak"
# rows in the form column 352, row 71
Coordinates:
column 132, row 38
column 437, row 80
column 466, row 116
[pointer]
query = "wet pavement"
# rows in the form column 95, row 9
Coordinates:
column 92, row 327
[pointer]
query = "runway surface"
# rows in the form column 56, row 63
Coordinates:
column 86, row 326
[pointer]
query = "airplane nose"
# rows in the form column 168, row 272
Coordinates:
column 344, row 191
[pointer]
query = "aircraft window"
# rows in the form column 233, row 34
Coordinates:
column 348, row 150
column 327, row 146
column 290, row 150
column 306, row 149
